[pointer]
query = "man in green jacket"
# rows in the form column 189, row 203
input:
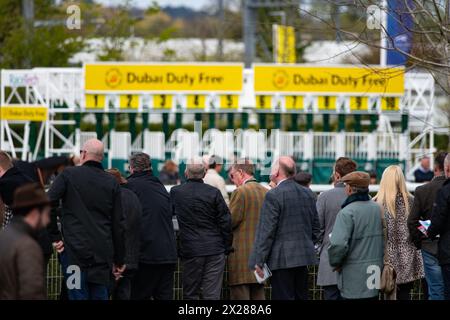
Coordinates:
column 356, row 242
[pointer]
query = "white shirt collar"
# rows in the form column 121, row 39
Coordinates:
column 281, row 181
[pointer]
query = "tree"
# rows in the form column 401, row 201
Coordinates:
column 49, row 45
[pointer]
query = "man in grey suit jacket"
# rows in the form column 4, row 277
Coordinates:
column 328, row 205
column 286, row 233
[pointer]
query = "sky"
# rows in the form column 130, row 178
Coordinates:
column 195, row 4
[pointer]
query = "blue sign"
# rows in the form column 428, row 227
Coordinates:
column 399, row 31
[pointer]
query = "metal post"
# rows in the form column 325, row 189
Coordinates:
column 384, row 36
column 230, row 120
column 341, row 122
column 244, row 120
column 357, row 126
column 145, row 124
column 262, row 121
column 178, row 120
column 212, row 120
column 326, row 122
column 28, row 15
column 405, row 119
column 99, row 125
column 294, row 122
column 277, row 121
column 165, row 124
column 221, row 14
column 309, row 122
column 248, row 24
column 373, row 122
column 132, row 126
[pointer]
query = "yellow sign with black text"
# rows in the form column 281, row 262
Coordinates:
column 24, row 113
column 294, row 102
column 264, row 102
column 229, row 102
column 129, row 101
column 359, row 103
column 390, row 104
column 284, row 44
column 95, row 101
column 327, row 103
column 162, row 101
column 333, row 80
column 163, row 77
column 195, row 101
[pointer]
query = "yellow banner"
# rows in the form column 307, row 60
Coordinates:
column 333, row 80
column 284, row 37
column 24, row 113
column 164, row 77
column 229, row 102
column 129, row 101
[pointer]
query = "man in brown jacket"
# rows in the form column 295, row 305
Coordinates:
column 245, row 206
column 21, row 258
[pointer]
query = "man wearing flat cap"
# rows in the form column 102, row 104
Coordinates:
column 356, row 242
column 21, row 258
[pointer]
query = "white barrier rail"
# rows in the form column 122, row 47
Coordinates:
column 318, row 188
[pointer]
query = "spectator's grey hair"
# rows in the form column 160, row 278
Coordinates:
column 195, row 169
column 140, row 162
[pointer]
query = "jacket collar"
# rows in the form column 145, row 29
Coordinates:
column 10, row 172
column 141, row 174
column 439, row 178
column 212, row 171
column 360, row 196
column 20, row 225
column 194, row 180
column 94, row 164
column 339, row 185
column 252, row 179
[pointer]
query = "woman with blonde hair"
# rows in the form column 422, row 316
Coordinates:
column 396, row 201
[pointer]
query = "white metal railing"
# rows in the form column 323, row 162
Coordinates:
column 324, row 145
column 356, row 145
column 388, row 145
column 154, row 144
column 219, row 143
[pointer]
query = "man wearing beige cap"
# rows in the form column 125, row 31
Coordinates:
column 356, row 242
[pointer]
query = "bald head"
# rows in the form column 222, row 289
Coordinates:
column 283, row 168
column 93, row 150
column 195, row 169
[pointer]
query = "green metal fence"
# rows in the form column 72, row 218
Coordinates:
column 54, row 281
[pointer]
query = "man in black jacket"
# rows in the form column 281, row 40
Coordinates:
column 92, row 241
column 205, row 233
column 158, row 253
column 424, row 197
column 440, row 225
column 132, row 212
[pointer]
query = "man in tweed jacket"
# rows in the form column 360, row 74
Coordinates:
column 245, row 206
column 286, row 233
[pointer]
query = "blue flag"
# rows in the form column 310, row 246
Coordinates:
column 399, row 30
